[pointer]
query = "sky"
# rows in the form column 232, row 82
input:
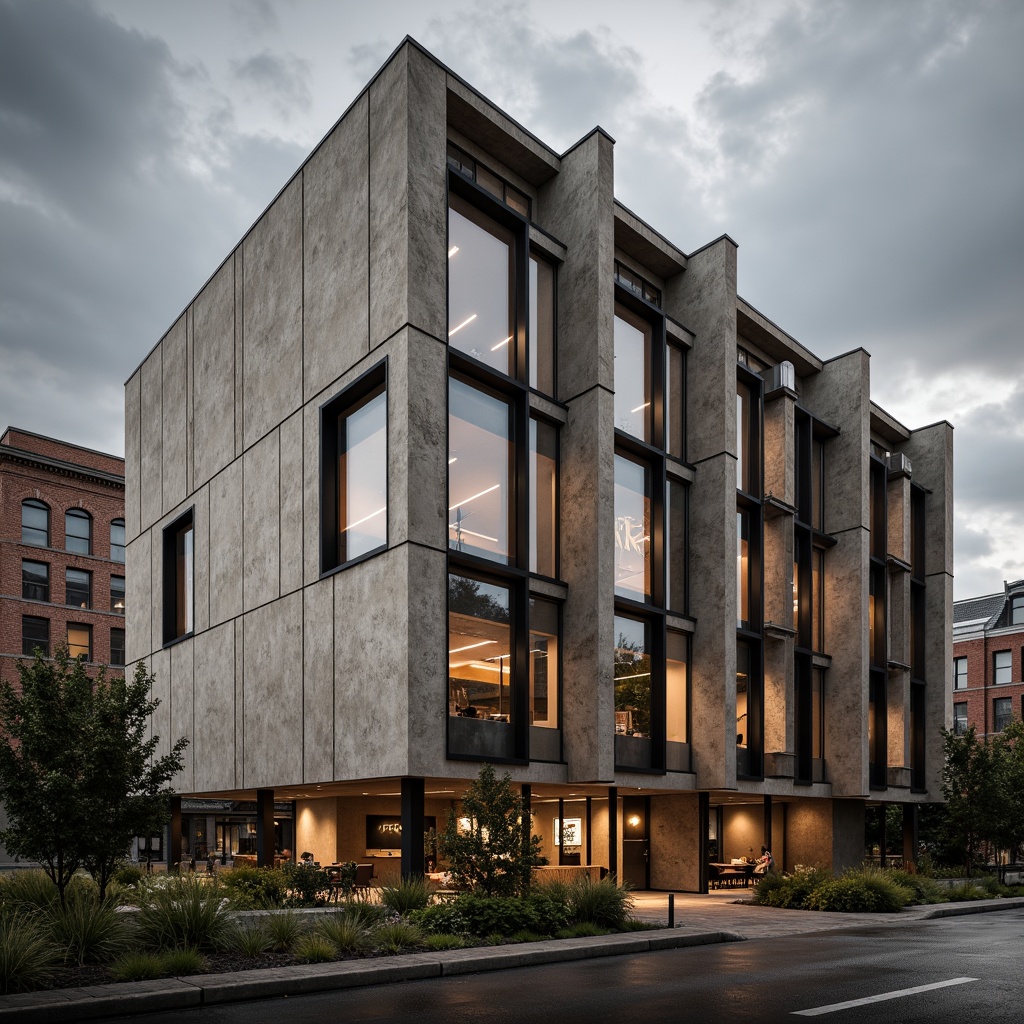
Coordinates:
column 867, row 156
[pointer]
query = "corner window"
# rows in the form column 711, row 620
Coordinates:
column 959, row 673
column 117, row 540
column 35, row 581
column 117, row 647
column 178, row 563
column 35, row 523
column 1003, row 667
column 1002, row 713
column 960, row 718
column 78, row 589
column 78, row 531
column 480, row 656
column 35, row 634
column 79, row 641
column 117, row 594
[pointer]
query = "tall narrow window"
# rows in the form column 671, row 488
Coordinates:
column 78, row 531
column 35, row 523
column 676, row 688
column 117, row 540
column 1003, row 664
column 117, row 594
column 632, row 665
column 633, row 385
column 743, row 570
column 543, row 663
column 480, row 654
column 542, row 326
column 746, row 457
column 675, row 401
column 1017, row 611
column 35, row 581
column 117, row 647
column 178, row 565
column 35, row 635
column 632, row 530
column 79, row 641
column 959, row 673
column 544, row 491
column 1002, row 713
column 960, row 718
column 675, row 546
column 78, row 589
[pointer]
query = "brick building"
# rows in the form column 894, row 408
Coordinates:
column 62, row 577
column 988, row 660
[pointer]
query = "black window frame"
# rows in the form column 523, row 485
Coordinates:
column 78, row 585
column 957, row 661
column 957, row 731
column 25, row 640
column 365, row 388
column 117, row 546
column 996, row 668
column 89, row 657
column 35, row 503
column 122, row 592
column 170, row 577
column 878, row 690
column 1001, row 704
column 28, row 585
column 81, row 515
column 117, row 644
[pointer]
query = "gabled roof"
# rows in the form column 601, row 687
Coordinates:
column 978, row 613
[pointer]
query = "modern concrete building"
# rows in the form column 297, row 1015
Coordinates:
column 454, row 459
column 988, row 660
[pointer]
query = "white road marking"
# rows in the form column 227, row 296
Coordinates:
column 899, row 994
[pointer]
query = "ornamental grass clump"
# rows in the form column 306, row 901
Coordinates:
column 28, row 957
column 314, row 948
column 605, row 904
column 179, row 963
column 30, row 891
column 405, row 895
column 285, row 928
column 924, row 889
column 398, row 937
column 183, row 912
column 344, row 933
column 140, row 965
column 86, row 929
column 251, row 940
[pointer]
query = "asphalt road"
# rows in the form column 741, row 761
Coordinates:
column 761, row 981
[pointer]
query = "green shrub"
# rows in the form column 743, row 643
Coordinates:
column 792, row 891
column 251, row 940
column 860, row 891
column 924, row 889
column 27, row 956
column 965, row 891
column 313, row 948
column 87, row 930
column 183, row 911
column 179, row 963
column 398, row 937
column 285, row 928
column 364, row 913
column 579, row 930
column 249, row 888
column 605, row 903
column 633, row 925
column 525, row 936
column 471, row 914
column 128, row 875
column 138, row 966
column 437, row 943
column 347, row 935
column 307, row 885
column 406, row 895
column 29, row 890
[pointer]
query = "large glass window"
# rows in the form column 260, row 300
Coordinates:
column 480, row 657
column 481, row 287
column 542, row 326
column 78, row 531
column 79, row 641
column 78, row 591
column 363, row 477
column 675, row 546
column 1003, row 665
column 178, row 577
column 35, row 581
column 544, row 491
column 479, row 473
column 633, row 386
column 632, row 664
column 676, row 687
column 544, row 663
column 117, row 647
column 959, row 673
column 117, row 540
column 35, row 523
column 117, row 594
column 632, row 530
column 35, row 633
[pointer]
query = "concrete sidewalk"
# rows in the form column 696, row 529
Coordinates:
column 700, row 920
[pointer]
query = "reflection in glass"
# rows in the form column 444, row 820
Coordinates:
column 543, row 476
column 479, row 649
column 543, row 663
column 35, row 581
column 479, row 454
column 632, row 530
column 796, row 599
column 35, row 523
column 481, row 321
column 675, row 547
column 542, row 326
column 117, row 595
column 363, row 478
column 742, row 695
column 675, row 397
column 632, row 374
column 743, row 570
column 632, row 678
column 676, row 688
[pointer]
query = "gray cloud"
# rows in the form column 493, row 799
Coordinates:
column 283, row 79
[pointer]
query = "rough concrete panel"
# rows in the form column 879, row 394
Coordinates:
column 316, row 828
column 239, row 699
column 152, row 439
column 272, row 316
column 780, row 448
column 779, row 697
column 675, row 842
column 182, row 709
column 239, row 402
column 897, row 533
column 336, row 260
column 742, row 831
column 847, row 834
column 139, row 598
column 272, row 661
column 808, row 835
column 213, row 356
column 588, row 512
column 311, row 486
column 214, row 743
column 371, row 660
column 201, row 559
column 930, row 449
column 576, row 206
column 175, row 416
column 160, row 666
column 132, row 455
column 318, row 682
column 291, row 503
column 225, row 551
column 937, row 665
column 713, row 603
column 427, row 661
column 261, row 522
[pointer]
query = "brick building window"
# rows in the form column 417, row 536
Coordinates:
column 79, row 640
column 35, row 523
column 960, row 718
column 117, row 540
column 78, row 531
column 78, row 591
column 1002, row 713
column 35, row 633
column 117, row 594
column 959, row 673
column 117, row 647
column 1017, row 611
column 1002, row 663
column 35, row 581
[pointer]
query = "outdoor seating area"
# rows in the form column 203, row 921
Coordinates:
column 737, row 872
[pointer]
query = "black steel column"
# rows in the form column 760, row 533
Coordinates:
column 909, row 834
column 561, row 831
column 590, row 819
column 264, row 828
column 174, row 853
column 703, row 827
column 412, row 828
column 613, row 830
column 768, row 823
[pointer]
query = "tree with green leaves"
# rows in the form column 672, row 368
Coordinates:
column 489, row 843
column 79, row 779
column 1009, row 758
column 972, row 785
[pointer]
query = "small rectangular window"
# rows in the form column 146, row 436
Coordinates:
column 117, row 647
column 35, row 634
column 1002, row 713
column 959, row 673
column 117, row 540
column 542, row 326
column 675, row 546
column 543, row 663
column 675, row 401
column 178, row 565
column 79, row 641
column 1003, row 665
column 544, row 489
column 35, row 581
column 1017, row 611
column 78, row 531
column 960, row 718
column 117, row 594
column 78, row 589
column 676, row 687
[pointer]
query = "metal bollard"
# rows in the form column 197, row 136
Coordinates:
column 671, row 910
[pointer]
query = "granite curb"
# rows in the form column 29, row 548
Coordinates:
column 73, row 1004
column 972, row 907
